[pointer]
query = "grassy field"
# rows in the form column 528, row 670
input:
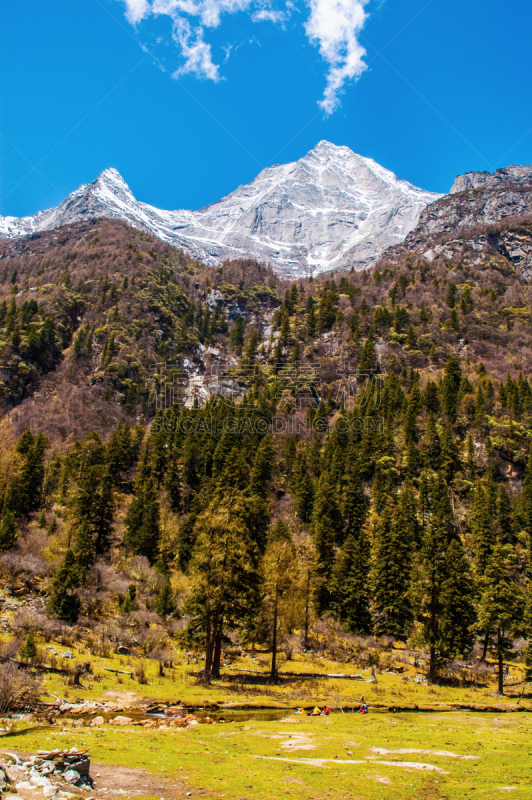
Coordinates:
column 426, row 756
column 240, row 687
column 437, row 753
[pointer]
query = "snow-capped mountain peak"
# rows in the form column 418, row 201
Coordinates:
column 332, row 209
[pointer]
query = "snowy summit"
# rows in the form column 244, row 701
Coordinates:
column 332, row 209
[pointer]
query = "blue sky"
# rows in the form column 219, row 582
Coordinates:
column 195, row 100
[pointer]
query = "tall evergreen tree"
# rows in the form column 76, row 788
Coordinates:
column 450, row 387
column 8, row 531
column 263, row 466
column 350, row 590
column 64, row 602
column 27, row 496
column 327, row 526
column 457, row 616
column 93, row 503
column 303, row 490
column 142, row 521
column 225, row 572
column 353, row 502
column 164, row 603
column 481, row 529
column 391, row 573
column 502, row 605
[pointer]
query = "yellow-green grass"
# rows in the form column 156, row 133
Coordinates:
column 180, row 683
column 265, row 759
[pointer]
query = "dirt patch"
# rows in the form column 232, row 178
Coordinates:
column 382, row 751
column 379, row 779
column 126, row 699
column 301, row 742
column 324, row 762
column 115, row 781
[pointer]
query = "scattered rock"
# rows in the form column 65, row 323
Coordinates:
column 121, row 721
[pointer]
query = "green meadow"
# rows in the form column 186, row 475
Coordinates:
column 451, row 756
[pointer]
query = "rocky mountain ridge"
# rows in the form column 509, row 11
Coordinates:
column 332, row 209
column 478, row 198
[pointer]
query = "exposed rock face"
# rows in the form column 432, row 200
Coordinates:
column 518, row 175
column 479, row 198
column 332, row 209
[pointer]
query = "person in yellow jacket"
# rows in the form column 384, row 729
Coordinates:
column 316, row 712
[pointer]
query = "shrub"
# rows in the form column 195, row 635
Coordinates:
column 17, row 689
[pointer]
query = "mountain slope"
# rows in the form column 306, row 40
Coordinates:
column 332, row 209
column 479, row 198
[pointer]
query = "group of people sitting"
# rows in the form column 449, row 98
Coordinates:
column 324, row 712
column 316, row 712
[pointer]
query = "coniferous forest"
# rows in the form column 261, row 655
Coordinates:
column 220, row 457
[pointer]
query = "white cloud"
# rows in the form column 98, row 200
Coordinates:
column 334, row 26
column 266, row 13
column 136, row 10
column 195, row 51
column 208, row 11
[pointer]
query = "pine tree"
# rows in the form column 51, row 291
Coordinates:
column 502, row 604
column 481, row 530
column 391, row 574
column 64, row 602
column 263, row 466
column 311, row 317
column 128, row 604
column 173, row 484
column 368, row 358
column 225, row 578
column 450, row 297
column 28, row 651
column 327, row 526
column 28, row 494
column 449, row 454
column 284, row 334
column 442, row 573
column 350, row 590
column 504, row 522
column 525, row 501
column 434, row 573
column 450, row 387
column 84, row 547
column 408, row 512
column 142, row 521
column 8, row 531
column 430, row 445
column 237, row 335
column 119, row 453
column 78, row 343
column 410, row 341
column 303, row 490
column 470, row 457
column 164, row 603
column 93, row 503
column 457, row 615
column 383, row 482
column 480, row 420
column 354, row 504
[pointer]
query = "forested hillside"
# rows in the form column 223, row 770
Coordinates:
column 217, row 456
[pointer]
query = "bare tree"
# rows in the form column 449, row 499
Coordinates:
column 17, row 688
